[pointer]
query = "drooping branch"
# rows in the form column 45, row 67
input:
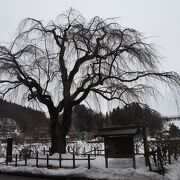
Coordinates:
column 63, row 61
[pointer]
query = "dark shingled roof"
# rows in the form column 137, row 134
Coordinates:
column 119, row 131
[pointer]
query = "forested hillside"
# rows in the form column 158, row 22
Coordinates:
column 85, row 119
column 32, row 122
column 27, row 119
column 136, row 114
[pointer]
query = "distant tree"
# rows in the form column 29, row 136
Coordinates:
column 174, row 130
column 152, row 119
column 61, row 63
column 86, row 120
column 135, row 114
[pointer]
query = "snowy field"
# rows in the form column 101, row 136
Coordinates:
column 118, row 169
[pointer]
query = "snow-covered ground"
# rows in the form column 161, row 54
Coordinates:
column 120, row 169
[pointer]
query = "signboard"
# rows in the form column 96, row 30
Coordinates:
column 9, row 149
column 119, row 147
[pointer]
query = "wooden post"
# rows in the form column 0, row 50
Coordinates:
column 94, row 151
column 89, row 164
column 68, row 149
column 16, row 160
column 154, row 158
column 134, row 158
column 59, row 160
column 37, row 159
column 30, row 153
column 134, row 161
column 106, row 158
column 25, row 161
column 84, row 151
column 9, row 149
column 106, row 161
column 146, row 149
column 47, row 160
column 169, row 155
column 74, row 166
column 136, row 149
column 44, row 151
column 20, row 156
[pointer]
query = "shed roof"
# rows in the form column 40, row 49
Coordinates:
column 119, row 131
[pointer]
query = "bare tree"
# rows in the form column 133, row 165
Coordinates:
column 61, row 63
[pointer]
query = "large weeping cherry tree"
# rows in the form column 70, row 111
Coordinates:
column 60, row 63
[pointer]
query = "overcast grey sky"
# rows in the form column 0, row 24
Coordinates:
column 157, row 19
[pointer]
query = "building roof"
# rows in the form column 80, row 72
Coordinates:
column 119, row 131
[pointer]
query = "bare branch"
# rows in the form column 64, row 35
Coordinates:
column 63, row 61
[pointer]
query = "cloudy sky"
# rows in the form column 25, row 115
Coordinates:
column 157, row 19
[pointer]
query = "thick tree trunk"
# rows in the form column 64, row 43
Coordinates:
column 59, row 130
column 58, row 138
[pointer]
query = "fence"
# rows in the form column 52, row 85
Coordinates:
column 25, row 155
column 16, row 163
column 163, row 152
column 94, row 151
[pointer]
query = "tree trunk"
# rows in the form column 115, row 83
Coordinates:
column 59, row 130
column 58, row 138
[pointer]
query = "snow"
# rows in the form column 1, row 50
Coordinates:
column 118, row 169
column 173, row 171
column 96, row 173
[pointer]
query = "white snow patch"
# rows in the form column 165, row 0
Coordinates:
column 118, row 169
